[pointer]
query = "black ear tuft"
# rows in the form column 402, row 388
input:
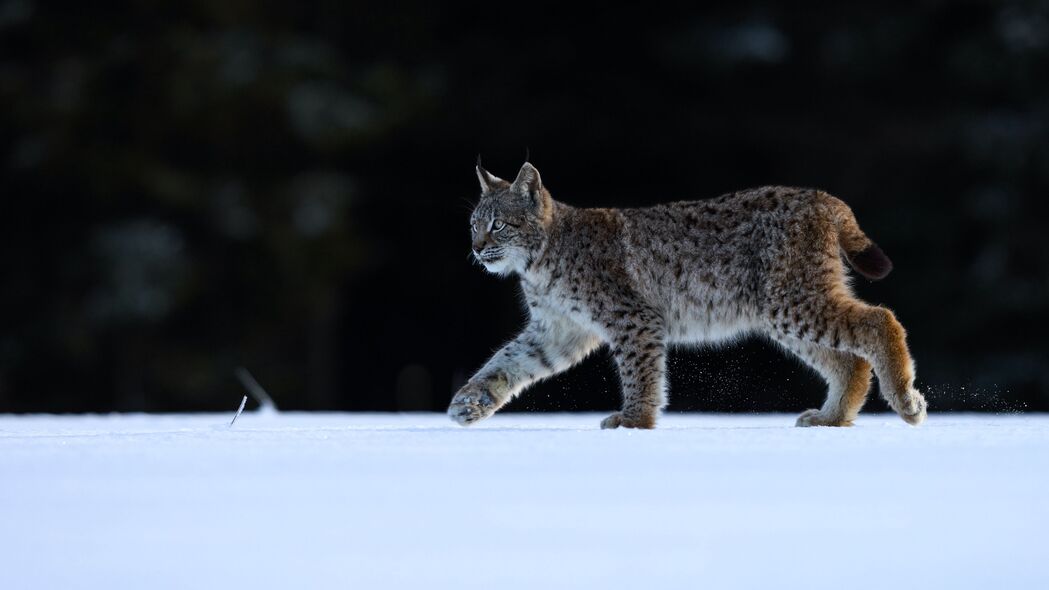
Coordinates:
column 489, row 181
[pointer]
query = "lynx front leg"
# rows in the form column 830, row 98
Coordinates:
column 545, row 347
column 640, row 354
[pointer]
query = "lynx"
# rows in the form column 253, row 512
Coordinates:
column 761, row 261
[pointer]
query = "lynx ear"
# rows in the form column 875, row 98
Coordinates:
column 488, row 181
column 528, row 182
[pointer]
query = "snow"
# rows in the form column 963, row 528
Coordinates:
column 521, row 501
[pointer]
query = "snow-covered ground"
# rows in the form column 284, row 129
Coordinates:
column 521, row 501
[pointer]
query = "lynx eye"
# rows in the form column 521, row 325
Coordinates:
column 498, row 225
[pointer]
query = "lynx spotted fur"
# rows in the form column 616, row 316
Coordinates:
column 762, row 261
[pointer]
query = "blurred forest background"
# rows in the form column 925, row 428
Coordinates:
column 190, row 187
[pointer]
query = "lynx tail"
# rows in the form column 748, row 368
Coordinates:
column 863, row 254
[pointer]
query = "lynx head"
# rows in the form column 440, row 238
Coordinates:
column 510, row 221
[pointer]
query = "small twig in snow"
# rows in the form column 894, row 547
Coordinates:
column 243, row 401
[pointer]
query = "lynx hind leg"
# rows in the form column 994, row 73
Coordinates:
column 873, row 334
column 848, row 380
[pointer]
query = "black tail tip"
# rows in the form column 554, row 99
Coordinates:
column 871, row 262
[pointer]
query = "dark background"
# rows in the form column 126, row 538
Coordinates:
column 190, row 187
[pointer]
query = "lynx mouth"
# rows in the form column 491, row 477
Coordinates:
column 490, row 258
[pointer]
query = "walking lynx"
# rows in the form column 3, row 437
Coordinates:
column 762, row 261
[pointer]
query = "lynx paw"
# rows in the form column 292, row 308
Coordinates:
column 618, row 419
column 471, row 405
column 816, row 418
column 915, row 409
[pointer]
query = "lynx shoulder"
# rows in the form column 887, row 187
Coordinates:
column 769, row 261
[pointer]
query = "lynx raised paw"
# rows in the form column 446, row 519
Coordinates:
column 816, row 418
column 618, row 419
column 470, row 405
column 915, row 409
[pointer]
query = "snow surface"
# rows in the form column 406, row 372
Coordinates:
column 521, row 501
